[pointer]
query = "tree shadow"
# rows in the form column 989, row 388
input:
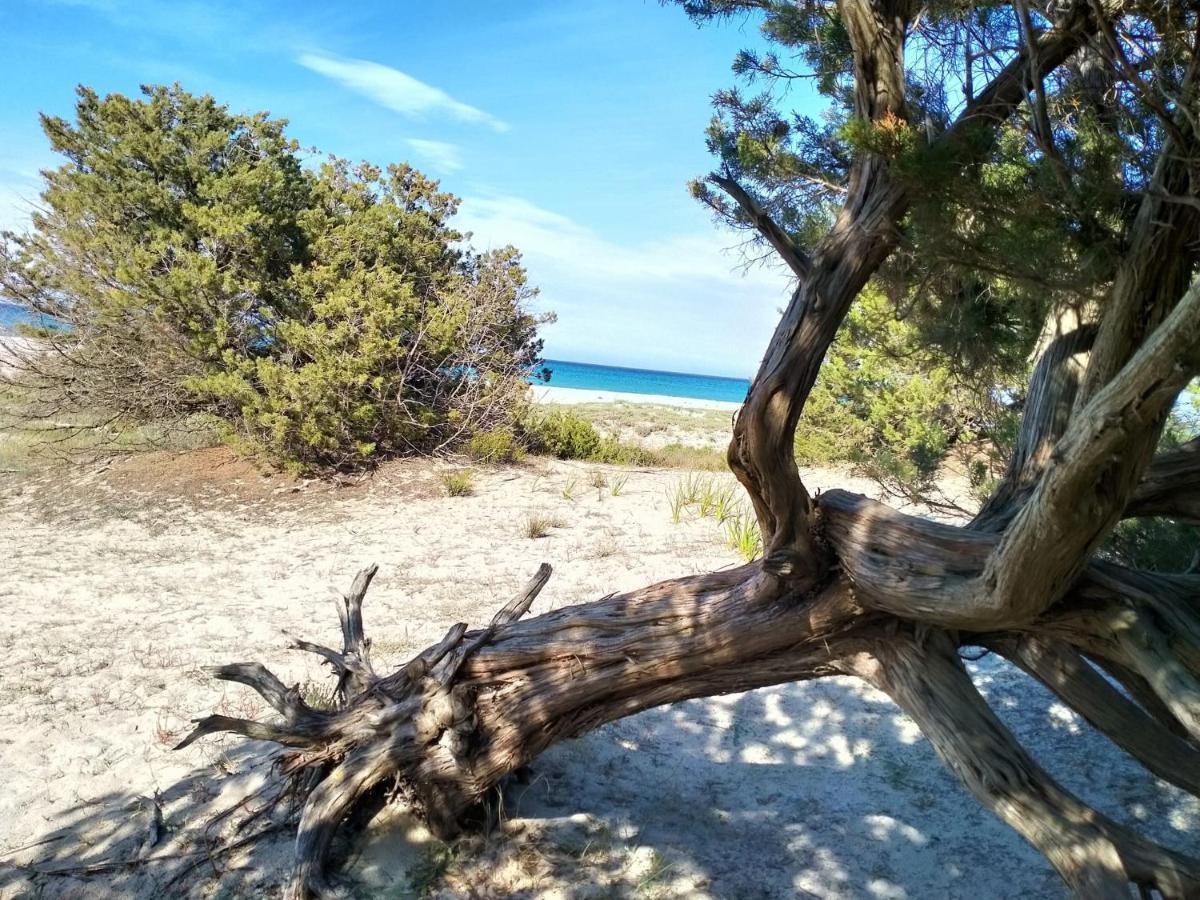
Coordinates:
column 816, row 789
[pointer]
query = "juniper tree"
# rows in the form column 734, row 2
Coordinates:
column 325, row 315
column 1023, row 177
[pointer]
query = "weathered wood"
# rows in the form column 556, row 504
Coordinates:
column 1170, row 486
column 1081, row 687
column 1095, row 856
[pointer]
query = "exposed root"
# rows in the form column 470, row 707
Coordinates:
column 382, row 728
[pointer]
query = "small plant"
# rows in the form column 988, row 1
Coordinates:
column 743, row 535
column 568, row 491
column 677, row 502
column 319, row 696
column 459, row 483
column 618, row 485
column 538, row 525
column 599, row 480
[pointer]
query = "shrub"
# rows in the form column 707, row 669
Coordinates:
column 496, row 445
column 328, row 316
column 562, row 434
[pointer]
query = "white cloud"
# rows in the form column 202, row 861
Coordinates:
column 438, row 154
column 396, row 90
column 20, row 187
column 681, row 302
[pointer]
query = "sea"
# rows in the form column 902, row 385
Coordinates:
column 593, row 377
column 11, row 315
column 564, row 373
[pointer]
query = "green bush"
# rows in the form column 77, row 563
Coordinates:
column 496, row 445
column 562, row 434
column 327, row 315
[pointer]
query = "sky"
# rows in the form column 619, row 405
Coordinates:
column 569, row 130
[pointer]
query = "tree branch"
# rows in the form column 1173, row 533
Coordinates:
column 1065, row 672
column 864, row 234
column 1095, row 856
column 1047, row 412
column 789, row 251
column 1171, row 485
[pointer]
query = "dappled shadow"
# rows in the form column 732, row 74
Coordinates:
column 814, row 789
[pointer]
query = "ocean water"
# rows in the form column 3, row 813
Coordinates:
column 11, row 315
column 645, row 381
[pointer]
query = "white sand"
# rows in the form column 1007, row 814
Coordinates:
column 561, row 395
column 119, row 585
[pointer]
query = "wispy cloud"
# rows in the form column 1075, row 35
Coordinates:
column 395, row 89
column 684, row 301
column 440, row 155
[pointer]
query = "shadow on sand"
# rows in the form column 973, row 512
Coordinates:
column 820, row 789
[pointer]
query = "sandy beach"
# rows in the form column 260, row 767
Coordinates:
column 122, row 581
column 561, row 395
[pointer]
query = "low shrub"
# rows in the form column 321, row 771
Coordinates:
column 562, row 434
column 496, row 445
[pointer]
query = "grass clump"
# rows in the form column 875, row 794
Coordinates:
column 743, row 535
column 618, row 485
column 568, row 490
column 539, row 525
column 460, row 483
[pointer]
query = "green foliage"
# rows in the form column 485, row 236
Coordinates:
column 617, row 486
column 327, row 315
column 496, row 445
column 888, row 402
column 568, row 435
column 562, row 434
column 1162, row 545
column 459, row 483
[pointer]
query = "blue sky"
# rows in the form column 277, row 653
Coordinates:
column 569, row 130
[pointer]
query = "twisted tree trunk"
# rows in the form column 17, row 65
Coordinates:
column 847, row 585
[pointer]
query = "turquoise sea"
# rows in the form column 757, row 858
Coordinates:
column 585, row 376
column 11, row 315
column 588, row 376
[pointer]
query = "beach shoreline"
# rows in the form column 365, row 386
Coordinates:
column 548, row 394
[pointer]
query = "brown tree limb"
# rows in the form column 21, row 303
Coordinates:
column 789, row 251
column 1046, row 414
column 1065, row 672
column 761, row 453
column 1095, row 856
column 1171, row 485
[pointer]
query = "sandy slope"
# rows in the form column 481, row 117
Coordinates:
column 117, row 585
